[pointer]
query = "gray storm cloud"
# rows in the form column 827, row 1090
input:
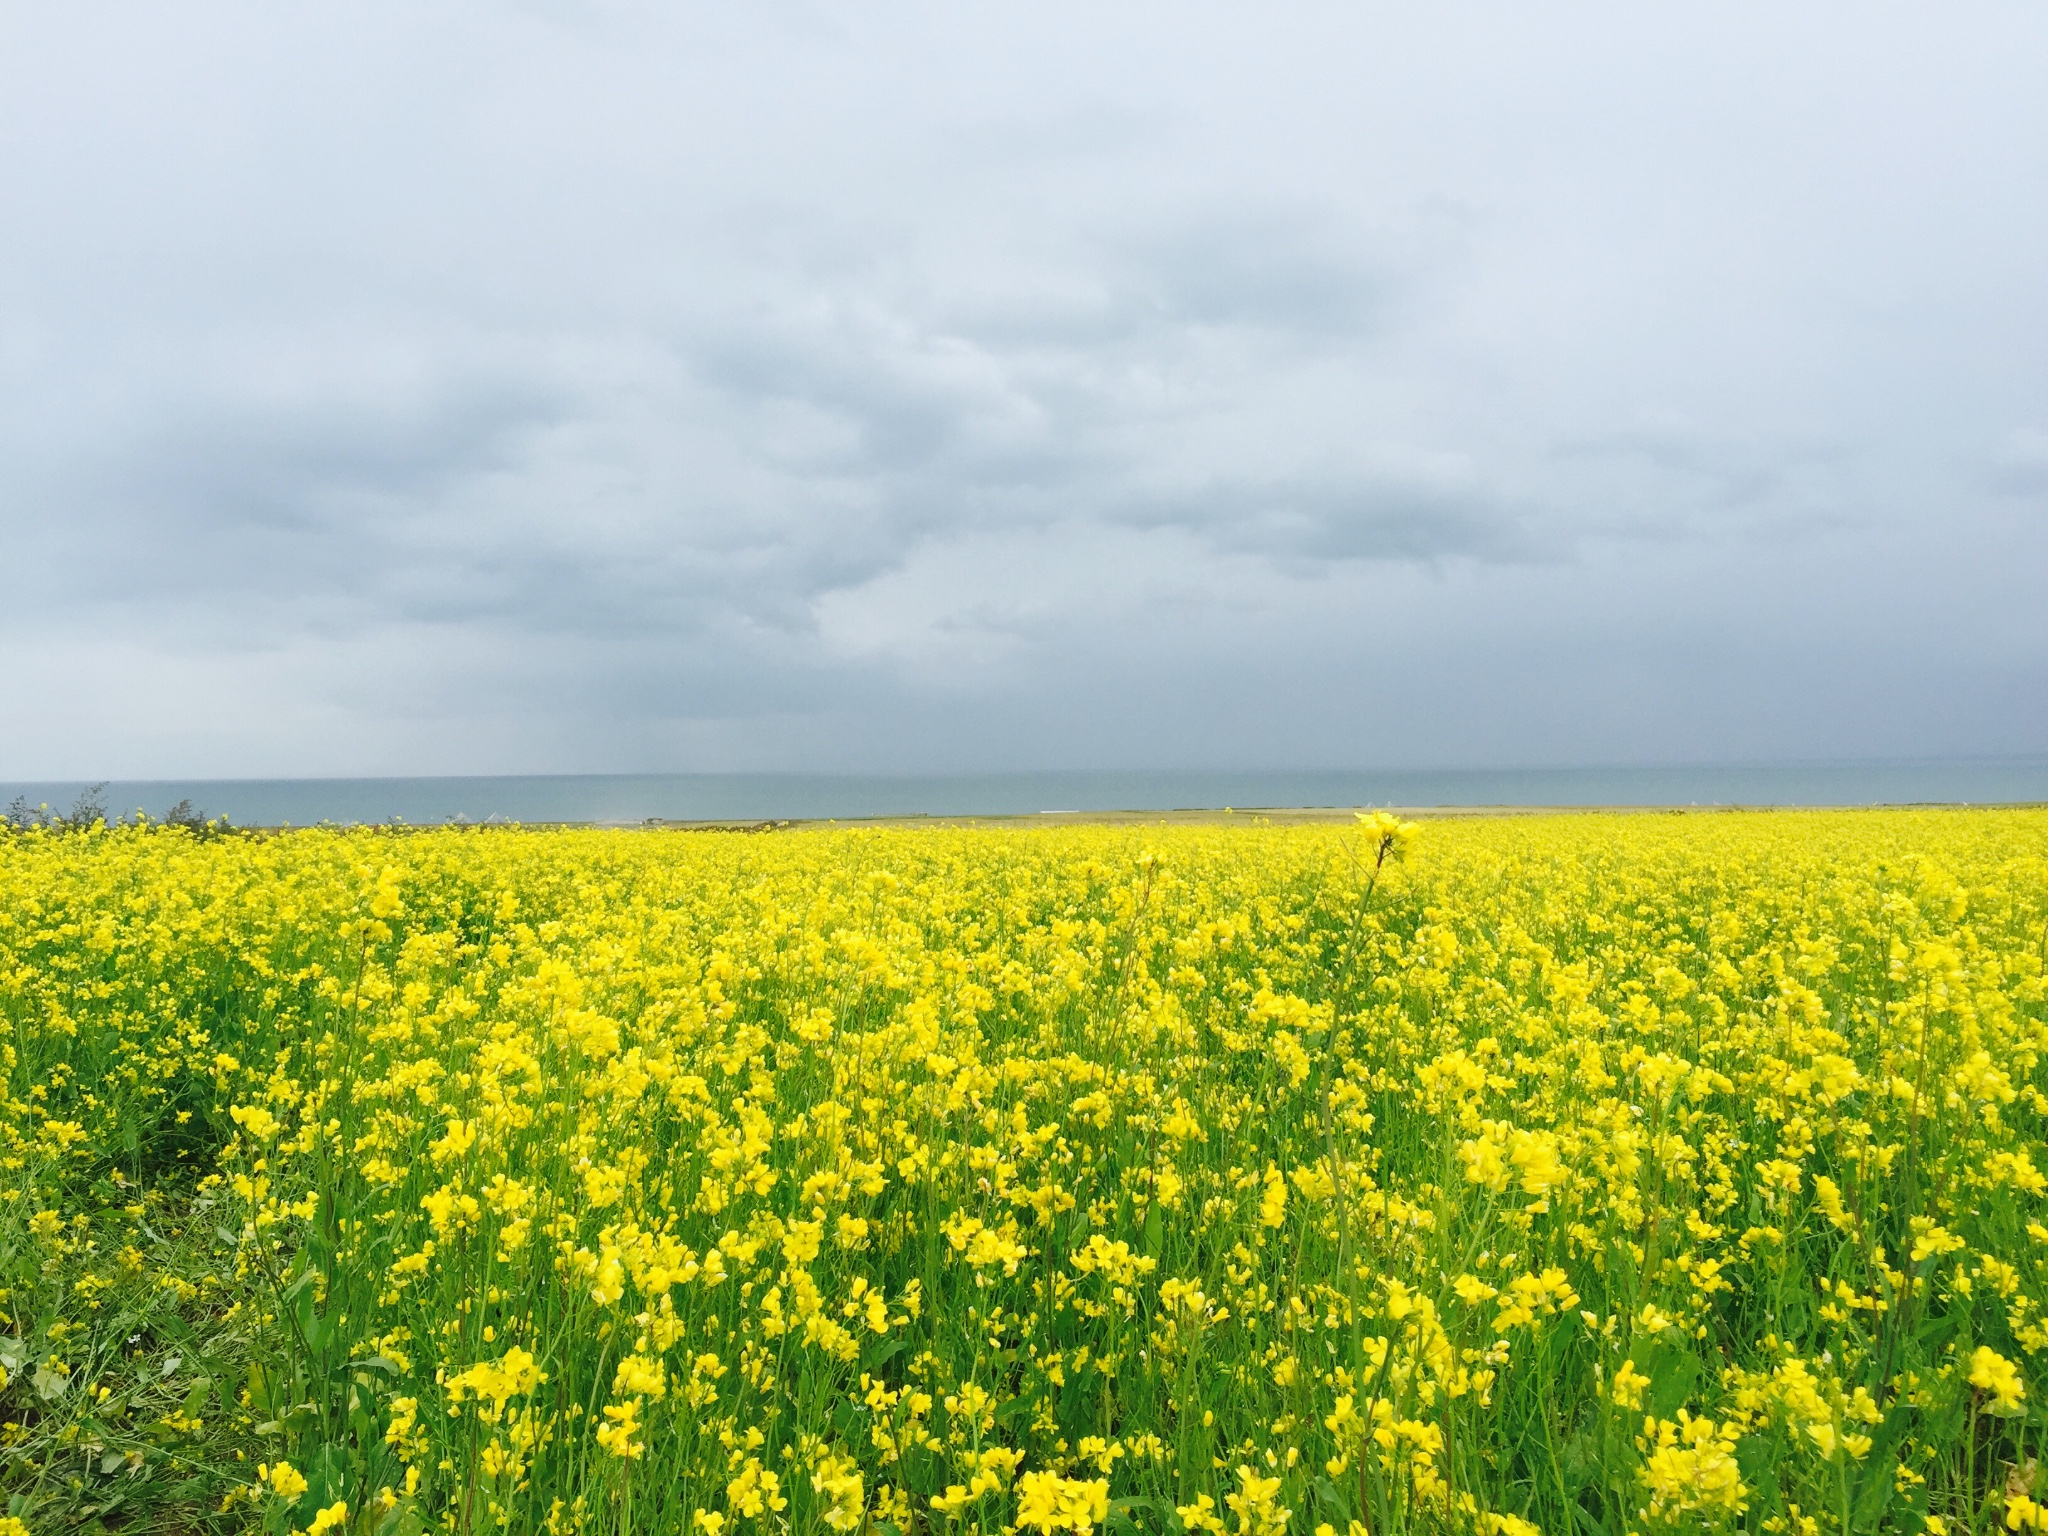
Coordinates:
column 415, row 388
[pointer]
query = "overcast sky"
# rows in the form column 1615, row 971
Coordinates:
column 423, row 387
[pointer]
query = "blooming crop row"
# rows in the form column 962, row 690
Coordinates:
column 1581, row 1174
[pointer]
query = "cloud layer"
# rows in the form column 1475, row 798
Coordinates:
column 605, row 387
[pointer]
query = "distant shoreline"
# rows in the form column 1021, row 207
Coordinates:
column 1309, row 815
column 1245, row 816
column 1042, row 797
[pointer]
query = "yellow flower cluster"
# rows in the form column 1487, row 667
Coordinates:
column 1667, row 1172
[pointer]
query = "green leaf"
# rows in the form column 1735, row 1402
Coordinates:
column 327, row 1478
column 1757, row 1457
column 1937, row 1331
column 318, row 1247
column 1120, row 1512
column 1673, row 1372
column 50, row 1385
column 1580, row 1462
column 312, row 1327
column 1878, row 1483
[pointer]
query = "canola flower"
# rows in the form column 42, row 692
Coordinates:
column 1622, row 1174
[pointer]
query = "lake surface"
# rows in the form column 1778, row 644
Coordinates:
column 632, row 798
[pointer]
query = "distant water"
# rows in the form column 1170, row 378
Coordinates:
column 633, row 798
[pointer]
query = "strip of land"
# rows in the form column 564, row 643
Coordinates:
column 1282, row 815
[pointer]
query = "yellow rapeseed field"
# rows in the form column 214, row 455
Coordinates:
column 1594, row 1175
